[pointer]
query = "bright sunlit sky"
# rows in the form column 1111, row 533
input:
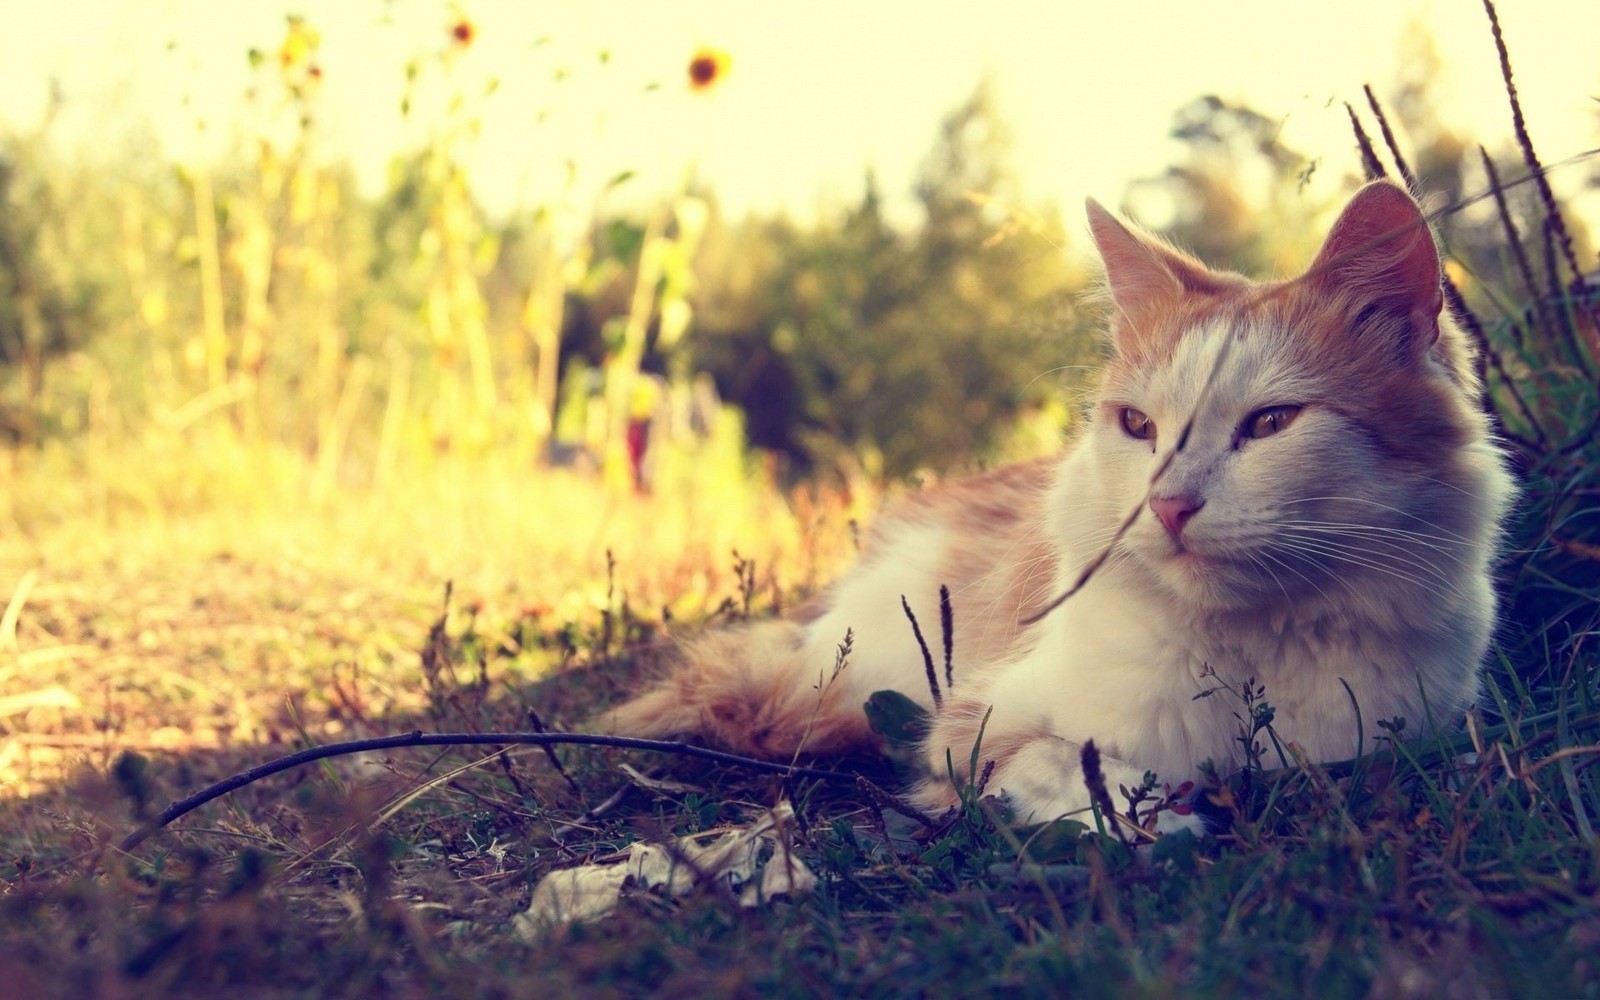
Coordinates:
column 817, row 90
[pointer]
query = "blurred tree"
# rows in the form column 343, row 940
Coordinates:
column 372, row 327
column 46, row 306
column 733, row 339
column 897, row 350
column 1233, row 197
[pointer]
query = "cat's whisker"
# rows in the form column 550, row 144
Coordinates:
column 1446, row 484
column 1358, row 594
column 1406, row 534
column 1257, row 560
column 1052, row 371
column 1366, row 545
column 1433, row 582
column 1437, row 534
column 1444, row 534
column 1405, row 554
column 1376, row 568
column 984, row 615
column 1402, row 540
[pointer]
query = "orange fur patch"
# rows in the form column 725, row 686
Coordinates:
column 747, row 690
column 998, row 563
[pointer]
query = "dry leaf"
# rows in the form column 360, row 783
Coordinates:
column 589, row 892
column 573, row 894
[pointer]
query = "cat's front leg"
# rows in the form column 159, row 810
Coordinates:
column 1040, row 774
column 1045, row 780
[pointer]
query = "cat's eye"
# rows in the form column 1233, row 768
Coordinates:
column 1267, row 422
column 1136, row 425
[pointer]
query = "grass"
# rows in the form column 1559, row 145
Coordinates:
column 179, row 610
column 134, row 591
column 203, row 636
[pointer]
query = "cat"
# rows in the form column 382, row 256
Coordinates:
column 1313, row 498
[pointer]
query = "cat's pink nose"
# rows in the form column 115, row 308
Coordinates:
column 1175, row 512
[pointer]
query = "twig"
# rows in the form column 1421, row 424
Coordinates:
column 13, row 612
column 927, row 655
column 1553, row 292
column 1458, row 305
column 880, row 798
column 418, row 738
column 1513, row 239
column 1388, row 140
column 597, row 812
column 1370, row 164
column 983, row 779
column 947, row 628
column 1469, row 319
column 1095, row 779
column 1552, row 209
column 550, row 752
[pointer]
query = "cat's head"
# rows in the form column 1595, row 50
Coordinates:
column 1296, row 439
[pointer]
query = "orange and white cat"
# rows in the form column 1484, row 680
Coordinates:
column 1316, row 502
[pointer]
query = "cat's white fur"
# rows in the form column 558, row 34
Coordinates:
column 1337, row 563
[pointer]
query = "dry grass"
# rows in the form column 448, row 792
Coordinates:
column 181, row 608
column 189, row 594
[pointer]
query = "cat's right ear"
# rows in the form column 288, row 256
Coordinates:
column 1381, row 253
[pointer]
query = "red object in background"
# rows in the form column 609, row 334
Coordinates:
column 638, row 441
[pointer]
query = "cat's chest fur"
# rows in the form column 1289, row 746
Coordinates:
column 1145, row 661
column 1164, row 687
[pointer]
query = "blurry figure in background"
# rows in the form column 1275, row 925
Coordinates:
column 659, row 413
column 645, row 407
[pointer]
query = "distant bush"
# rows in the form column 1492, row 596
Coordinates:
column 46, row 308
column 860, row 342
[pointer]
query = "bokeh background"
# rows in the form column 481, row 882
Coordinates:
column 367, row 231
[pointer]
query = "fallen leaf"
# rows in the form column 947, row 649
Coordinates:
column 592, row 891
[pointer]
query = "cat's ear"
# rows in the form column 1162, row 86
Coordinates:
column 1140, row 281
column 1146, row 276
column 1381, row 254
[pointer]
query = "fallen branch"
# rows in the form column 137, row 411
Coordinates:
column 1440, row 749
column 418, row 738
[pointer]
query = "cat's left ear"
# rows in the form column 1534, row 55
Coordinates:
column 1141, row 279
column 1148, row 278
column 1381, row 253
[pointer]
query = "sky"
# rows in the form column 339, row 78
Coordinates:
column 816, row 93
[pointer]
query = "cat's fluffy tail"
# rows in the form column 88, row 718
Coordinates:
column 753, row 691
